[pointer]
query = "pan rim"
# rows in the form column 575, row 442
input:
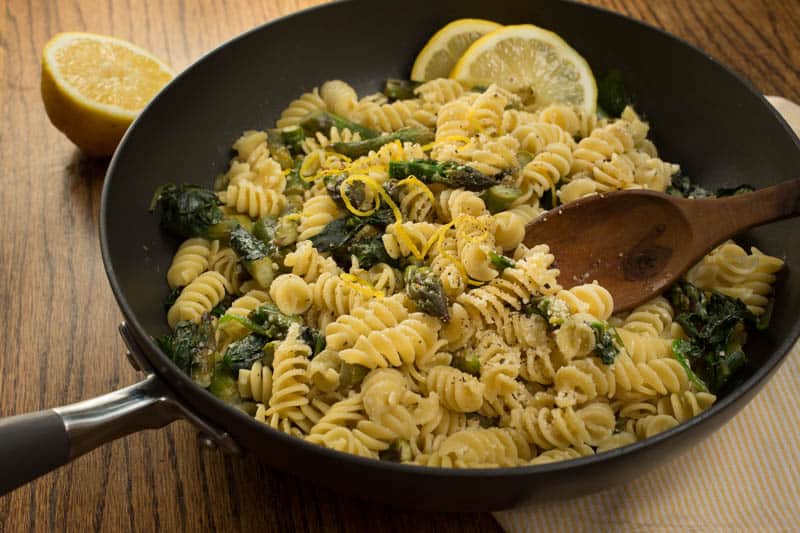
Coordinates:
column 168, row 372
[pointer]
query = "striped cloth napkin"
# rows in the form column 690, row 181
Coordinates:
column 744, row 477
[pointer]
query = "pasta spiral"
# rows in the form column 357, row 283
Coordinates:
column 575, row 338
column 455, row 202
column 500, row 365
column 321, row 142
column 512, row 288
column 685, row 405
column 601, row 145
column 339, row 97
column 197, row 298
column 457, row 390
column 648, row 426
column 400, row 237
column 488, row 155
column 317, row 213
column 564, row 427
column 289, row 382
column 452, row 121
column 416, row 203
column 398, row 115
column 478, row 447
column 300, row 108
column 242, row 306
column 189, row 261
column 573, row 121
column 439, row 91
column 291, row 294
column 306, row 262
column 330, row 294
column 225, row 261
column 375, row 315
column 256, row 383
column 385, row 394
column 486, row 113
column 651, row 318
column 643, row 348
column 545, row 170
column 656, row 376
column 589, row 298
column 562, row 454
column 254, row 200
column 413, row 338
column 534, row 137
column 730, row 270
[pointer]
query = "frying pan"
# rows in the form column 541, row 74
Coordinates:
column 714, row 123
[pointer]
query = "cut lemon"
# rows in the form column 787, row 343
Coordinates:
column 441, row 52
column 93, row 87
column 530, row 61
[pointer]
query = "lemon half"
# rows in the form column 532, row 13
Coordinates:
column 93, row 86
column 530, row 61
column 442, row 51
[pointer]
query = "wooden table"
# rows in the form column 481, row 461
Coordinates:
column 60, row 343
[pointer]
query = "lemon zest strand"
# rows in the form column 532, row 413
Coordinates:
column 361, row 285
column 436, row 238
column 337, row 155
column 461, row 270
column 400, row 232
column 369, row 182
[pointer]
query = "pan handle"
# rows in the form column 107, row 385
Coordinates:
column 36, row 443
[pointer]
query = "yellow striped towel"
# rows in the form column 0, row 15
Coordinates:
column 744, row 477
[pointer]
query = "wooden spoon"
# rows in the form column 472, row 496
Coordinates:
column 636, row 243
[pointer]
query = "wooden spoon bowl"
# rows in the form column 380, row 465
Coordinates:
column 636, row 243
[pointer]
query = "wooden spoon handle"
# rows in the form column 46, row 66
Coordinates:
column 715, row 220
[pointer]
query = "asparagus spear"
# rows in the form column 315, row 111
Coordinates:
column 448, row 173
column 499, row 197
column 322, row 121
column 467, row 362
column 358, row 148
column 396, row 89
column 255, row 255
column 425, row 290
column 501, row 262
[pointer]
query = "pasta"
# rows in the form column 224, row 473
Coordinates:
column 300, row 108
column 291, row 294
column 458, row 390
column 317, row 213
column 730, row 270
column 197, row 298
column 190, row 261
column 406, row 318
column 242, row 306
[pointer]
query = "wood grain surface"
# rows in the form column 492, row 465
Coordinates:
column 59, row 342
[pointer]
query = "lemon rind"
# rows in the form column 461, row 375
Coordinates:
column 431, row 47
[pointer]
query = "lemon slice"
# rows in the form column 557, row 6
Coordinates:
column 441, row 52
column 93, row 87
column 533, row 62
